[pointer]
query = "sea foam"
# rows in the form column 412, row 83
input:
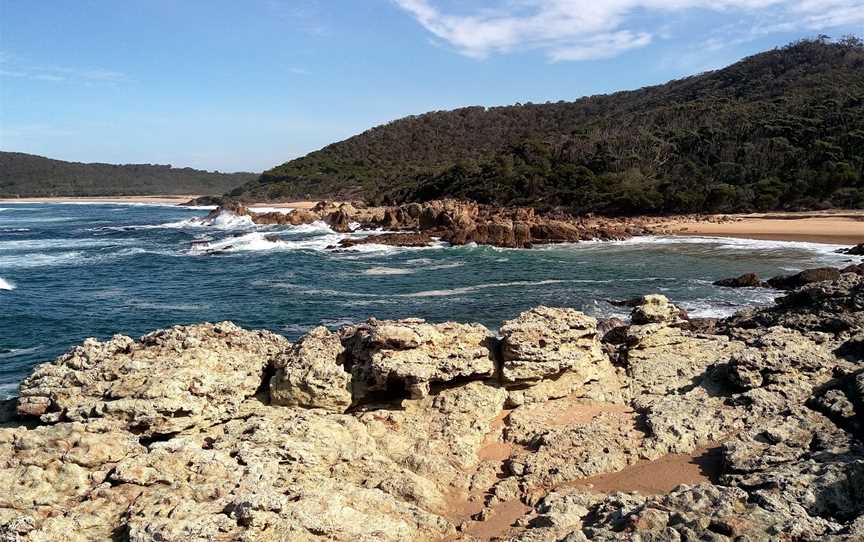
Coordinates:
column 6, row 285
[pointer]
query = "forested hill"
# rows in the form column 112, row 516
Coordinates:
column 781, row 129
column 24, row 175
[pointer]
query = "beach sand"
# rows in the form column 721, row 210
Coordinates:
column 833, row 227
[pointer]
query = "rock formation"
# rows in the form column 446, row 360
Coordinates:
column 453, row 221
column 791, row 282
column 747, row 280
column 654, row 429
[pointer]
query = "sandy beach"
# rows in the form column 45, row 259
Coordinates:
column 833, row 227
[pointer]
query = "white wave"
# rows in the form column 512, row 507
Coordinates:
column 730, row 243
column 375, row 249
column 222, row 221
column 282, row 210
column 470, row 289
column 377, row 271
column 6, row 285
column 15, row 352
column 711, row 308
column 319, row 226
column 26, row 261
column 408, row 270
column 335, row 323
column 8, row 391
column 51, row 244
column 14, row 230
column 143, row 305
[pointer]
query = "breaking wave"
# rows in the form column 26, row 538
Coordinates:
column 6, row 285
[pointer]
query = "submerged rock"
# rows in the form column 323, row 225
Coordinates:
column 857, row 250
column 417, row 239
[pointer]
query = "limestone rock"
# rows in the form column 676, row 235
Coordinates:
column 661, row 359
column 406, row 356
column 169, row 380
column 655, row 309
column 545, row 342
column 311, row 373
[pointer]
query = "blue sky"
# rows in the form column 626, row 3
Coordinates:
column 228, row 85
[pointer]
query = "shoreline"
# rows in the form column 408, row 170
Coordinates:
column 839, row 226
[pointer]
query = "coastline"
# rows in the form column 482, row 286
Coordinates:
column 841, row 227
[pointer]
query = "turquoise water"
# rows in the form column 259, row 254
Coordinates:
column 68, row 272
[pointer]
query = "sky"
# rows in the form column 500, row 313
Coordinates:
column 244, row 86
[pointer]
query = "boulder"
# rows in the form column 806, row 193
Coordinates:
column 857, row 250
column 311, row 373
column 545, row 342
column 404, row 357
column 747, row 280
column 170, row 380
column 808, row 276
column 417, row 239
column 656, row 309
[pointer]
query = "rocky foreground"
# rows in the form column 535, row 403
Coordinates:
column 453, row 221
column 743, row 429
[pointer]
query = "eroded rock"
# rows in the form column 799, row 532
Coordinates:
column 170, row 380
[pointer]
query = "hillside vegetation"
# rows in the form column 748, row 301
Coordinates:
column 782, row 129
column 23, row 175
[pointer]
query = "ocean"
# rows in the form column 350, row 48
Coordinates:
column 71, row 271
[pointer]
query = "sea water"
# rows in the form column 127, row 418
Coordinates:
column 71, row 271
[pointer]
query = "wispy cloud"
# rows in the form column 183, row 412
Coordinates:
column 583, row 30
column 304, row 15
column 11, row 66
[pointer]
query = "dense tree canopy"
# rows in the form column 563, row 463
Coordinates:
column 782, row 129
column 23, row 175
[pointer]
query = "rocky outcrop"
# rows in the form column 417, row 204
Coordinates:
column 545, row 342
column 312, row 374
column 656, row 309
column 170, row 380
column 413, row 239
column 453, row 221
column 662, row 429
column 808, row 276
column 747, row 280
column 406, row 357
column 857, row 250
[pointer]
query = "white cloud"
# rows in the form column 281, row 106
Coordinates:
column 59, row 73
column 583, row 30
